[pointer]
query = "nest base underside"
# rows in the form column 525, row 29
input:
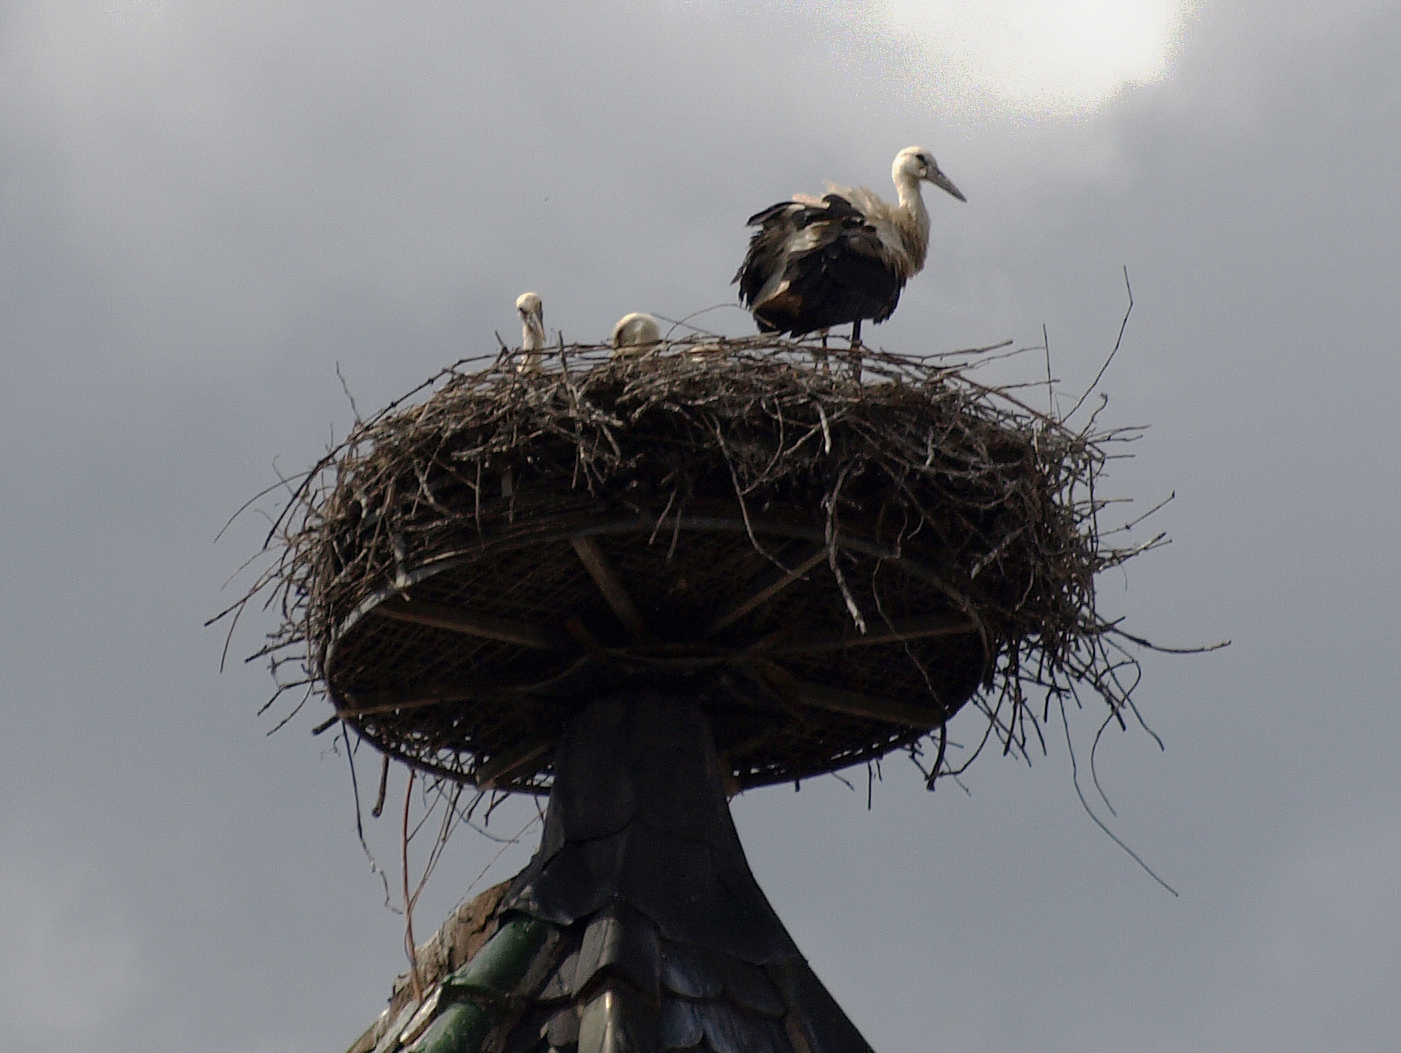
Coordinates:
column 471, row 665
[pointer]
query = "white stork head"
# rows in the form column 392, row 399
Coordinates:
column 914, row 164
column 532, row 314
column 635, row 335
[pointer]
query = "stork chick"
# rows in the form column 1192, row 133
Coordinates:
column 635, row 335
column 532, row 314
column 815, row 263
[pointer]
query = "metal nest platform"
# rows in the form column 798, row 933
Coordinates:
column 835, row 563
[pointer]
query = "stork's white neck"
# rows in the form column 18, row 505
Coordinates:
column 533, row 335
column 913, row 218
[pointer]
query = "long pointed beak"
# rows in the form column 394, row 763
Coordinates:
column 943, row 182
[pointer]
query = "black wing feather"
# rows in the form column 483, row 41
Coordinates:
column 845, row 274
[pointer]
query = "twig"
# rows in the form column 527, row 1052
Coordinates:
column 409, row 944
column 1075, row 778
column 1117, row 341
column 354, row 410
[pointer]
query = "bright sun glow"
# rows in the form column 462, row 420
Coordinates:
column 1043, row 56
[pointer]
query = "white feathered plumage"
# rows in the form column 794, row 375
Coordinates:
column 635, row 335
column 532, row 315
column 819, row 262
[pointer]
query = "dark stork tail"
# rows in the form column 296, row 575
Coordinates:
column 814, row 266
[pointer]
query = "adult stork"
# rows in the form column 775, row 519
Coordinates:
column 815, row 263
column 635, row 335
column 532, row 314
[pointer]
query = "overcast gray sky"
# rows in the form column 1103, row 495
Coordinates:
column 205, row 207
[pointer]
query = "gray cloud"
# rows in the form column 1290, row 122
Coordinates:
column 205, row 209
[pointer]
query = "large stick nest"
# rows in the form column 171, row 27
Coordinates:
column 835, row 565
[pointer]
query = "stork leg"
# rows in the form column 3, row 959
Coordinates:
column 856, row 349
column 822, row 356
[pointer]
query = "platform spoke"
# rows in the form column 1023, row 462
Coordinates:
column 896, row 632
column 482, row 626
column 768, row 592
column 608, row 582
column 850, row 703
